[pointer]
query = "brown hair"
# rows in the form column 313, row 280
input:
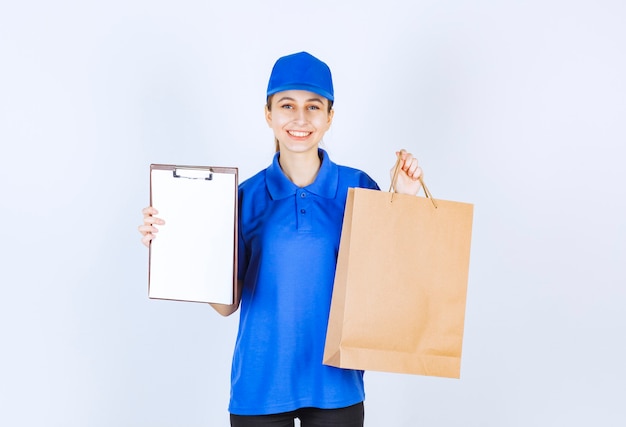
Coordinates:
column 268, row 105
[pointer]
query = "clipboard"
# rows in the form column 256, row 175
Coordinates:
column 194, row 255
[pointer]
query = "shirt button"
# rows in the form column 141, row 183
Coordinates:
column 303, row 195
column 302, row 211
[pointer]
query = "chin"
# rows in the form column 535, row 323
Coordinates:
column 298, row 148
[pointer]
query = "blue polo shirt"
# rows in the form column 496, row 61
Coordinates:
column 289, row 240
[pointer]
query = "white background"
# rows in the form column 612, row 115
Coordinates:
column 516, row 106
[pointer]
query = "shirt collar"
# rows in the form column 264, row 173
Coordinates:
column 324, row 185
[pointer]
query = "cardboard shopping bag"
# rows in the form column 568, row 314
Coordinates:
column 400, row 289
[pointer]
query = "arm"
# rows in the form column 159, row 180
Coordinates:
column 409, row 175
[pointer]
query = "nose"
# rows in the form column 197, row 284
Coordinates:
column 301, row 116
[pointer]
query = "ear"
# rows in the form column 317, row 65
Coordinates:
column 268, row 116
column 331, row 114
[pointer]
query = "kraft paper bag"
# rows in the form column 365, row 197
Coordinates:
column 400, row 289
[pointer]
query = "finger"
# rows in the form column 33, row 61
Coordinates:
column 153, row 219
column 147, row 229
column 402, row 153
column 417, row 173
column 147, row 239
column 149, row 211
column 150, row 220
column 413, row 169
column 408, row 163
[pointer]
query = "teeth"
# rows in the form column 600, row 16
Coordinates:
column 298, row 133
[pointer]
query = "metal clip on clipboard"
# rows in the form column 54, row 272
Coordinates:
column 206, row 175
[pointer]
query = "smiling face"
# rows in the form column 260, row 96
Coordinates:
column 299, row 119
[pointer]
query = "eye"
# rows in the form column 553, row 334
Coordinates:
column 313, row 107
column 287, row 106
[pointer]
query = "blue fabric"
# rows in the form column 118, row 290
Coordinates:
column 289, row 240
column 301, row 71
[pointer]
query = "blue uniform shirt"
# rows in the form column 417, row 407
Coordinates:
column 289, row 240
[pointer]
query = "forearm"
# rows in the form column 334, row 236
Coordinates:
column 228, row 309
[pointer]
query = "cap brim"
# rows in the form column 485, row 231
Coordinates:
column 300, row 86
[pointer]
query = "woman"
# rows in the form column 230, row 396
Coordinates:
column 290, row 224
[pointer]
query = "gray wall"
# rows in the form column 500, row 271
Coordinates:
column 517, row 107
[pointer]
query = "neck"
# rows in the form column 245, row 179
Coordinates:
column 300, row 168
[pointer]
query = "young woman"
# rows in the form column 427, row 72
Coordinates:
column 290, row 225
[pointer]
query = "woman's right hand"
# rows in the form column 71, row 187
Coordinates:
column 148, row 228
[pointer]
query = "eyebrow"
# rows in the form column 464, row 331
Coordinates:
column 288, row 98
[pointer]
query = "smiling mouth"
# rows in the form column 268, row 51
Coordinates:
column 298, row 134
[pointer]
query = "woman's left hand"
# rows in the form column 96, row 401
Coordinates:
column 408, row 179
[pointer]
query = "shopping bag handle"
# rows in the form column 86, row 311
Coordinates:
column 396, row 169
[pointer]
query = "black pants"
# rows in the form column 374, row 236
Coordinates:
column 352, row 416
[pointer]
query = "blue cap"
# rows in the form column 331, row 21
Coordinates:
column 301, row 71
